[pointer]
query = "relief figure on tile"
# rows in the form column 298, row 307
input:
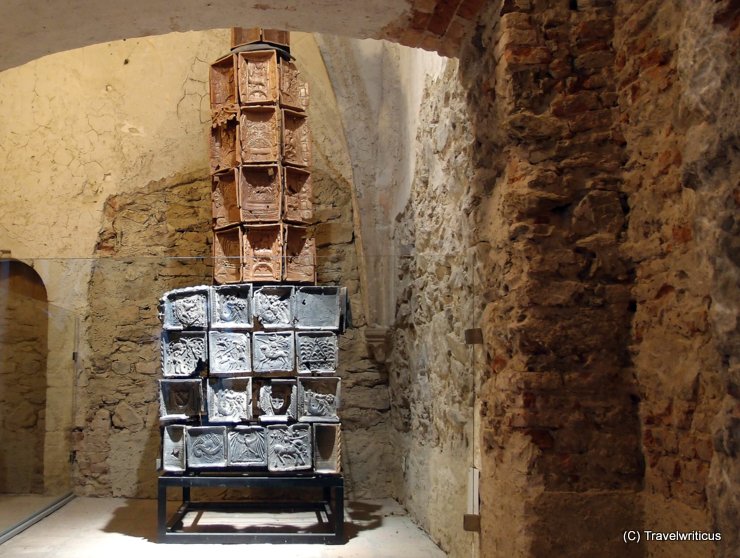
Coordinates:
column 230, row 404
column 247, row 447
column 274, row 352
column 190, row 311
column 319, row 404
column 183, row 355
column 232, row 309
column 271, row 308
column 208, row 447
column 230, row 351
column 289, row 448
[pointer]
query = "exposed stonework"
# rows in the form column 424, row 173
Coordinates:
column 678, row 92
column 23, row 352
column 117, row 425
column 432, row 370
column 558, row 401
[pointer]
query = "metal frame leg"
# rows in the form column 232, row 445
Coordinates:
column 161, row 510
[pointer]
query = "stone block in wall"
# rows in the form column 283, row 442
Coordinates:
column 274, row 351
column 185, row 308
column 327, row 453
column 260, row 193
column 318, row 399
column 300, row 254
column 184, row 353
column 224, row 145
column 229, row 352
column 296, row 139
column 229, row 399
column 273, row 306
column 257, row 77
column 293, row 90
column 259, row 135
column 247, row 446
column 298, row 194
column 289, row 447
column 223, row 87
column 263, row 253
column 231, row 306
column 225, row 199
column 318, row 307
column 180, row 399
column 316, row 352
column 173, row 449
column 227, row 255
column 274, row 400
column 205, row 446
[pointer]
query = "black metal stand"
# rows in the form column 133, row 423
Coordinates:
column 331, row 485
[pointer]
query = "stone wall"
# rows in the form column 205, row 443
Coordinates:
column 560, row 449
column 678, row 92
column 432, row 370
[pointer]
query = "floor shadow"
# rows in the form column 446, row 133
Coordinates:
column 138, row 518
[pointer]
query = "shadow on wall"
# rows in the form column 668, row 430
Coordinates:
column 23, row 346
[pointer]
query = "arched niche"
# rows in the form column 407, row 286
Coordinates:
column 23, row 365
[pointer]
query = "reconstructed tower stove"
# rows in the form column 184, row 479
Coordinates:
column 249, row 391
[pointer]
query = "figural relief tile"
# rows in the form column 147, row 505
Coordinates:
column 231, row 306
column 247, row 446
column 318, row 399
column 273, row 306
column 258, row 77
column 260, row 193
column 184, row 353
column 274, row 400
column 222, row 87
column 273, row 351
column 316, row 352
column 229, row 352
column 293, row 90
column 300, row 255
column 227, row 256
column 259, row 135
column 289, row 447
column 223, row 146
column 229, row 400
column 263, row 253
column 185, row 308
column 296, row 139
column 298, row 193
column 180, row 399
column 225, row 199
column 206, row 446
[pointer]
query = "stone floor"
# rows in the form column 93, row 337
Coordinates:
column 16, row 507
column 111, row 527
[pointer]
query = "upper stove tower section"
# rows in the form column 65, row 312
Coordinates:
column 260, row 159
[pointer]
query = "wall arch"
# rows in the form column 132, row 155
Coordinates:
column 36, row 28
